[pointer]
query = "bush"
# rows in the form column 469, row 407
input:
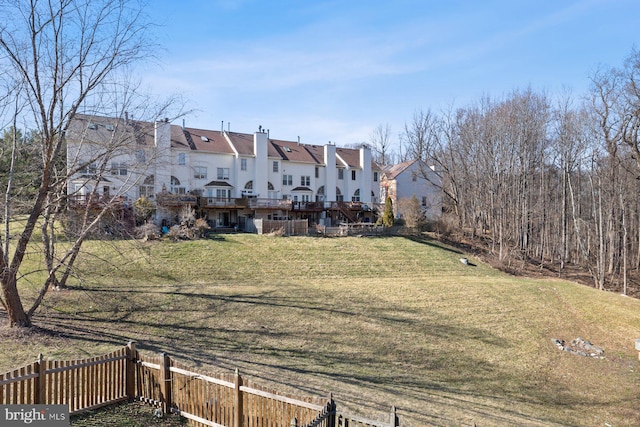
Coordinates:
column 387, row 216
column 144, row 209
column 148, row 231
column 200, row 228
column 175, row 233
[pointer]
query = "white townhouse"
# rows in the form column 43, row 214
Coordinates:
column 229, row 178
column 413, row 178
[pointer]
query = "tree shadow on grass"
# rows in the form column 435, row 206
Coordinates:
column 433, row 243
column 415, row 357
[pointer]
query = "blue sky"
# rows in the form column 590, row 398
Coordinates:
column 334, row 70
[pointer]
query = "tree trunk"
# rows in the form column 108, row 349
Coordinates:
column 15, row 311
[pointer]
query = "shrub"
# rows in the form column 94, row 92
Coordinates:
column 387, row 216
column 148, row 231
column 201, row 227
column 144, row 209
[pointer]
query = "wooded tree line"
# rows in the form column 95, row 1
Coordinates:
column 548, row 181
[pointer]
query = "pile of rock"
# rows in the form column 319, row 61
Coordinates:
column 579, row 347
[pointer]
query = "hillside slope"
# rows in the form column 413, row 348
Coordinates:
column 376, row 321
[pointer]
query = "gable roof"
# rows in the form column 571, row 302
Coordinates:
column 350, row 156
column 292, row 151
column 208, row 141
column 243, row 142
column 391, row 172
column 211, row 141
column 98, row 130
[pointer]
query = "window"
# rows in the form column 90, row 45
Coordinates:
column 181, row 158
column 414, row 177
column 305, row 181
column 147, row 188
column 356, row 196
column 306, row 198
column 353, row 175
column 317, row 172
column 221, row 193
column 141, row 156
column 275, row 166
column 88, row 169
column 340, row 173
column 200, row 172
column 375, row 177
column 175, row 186
column 223, row 173
column 424, row 201
column 243, row 164
column 118, row 168
column 287, row 179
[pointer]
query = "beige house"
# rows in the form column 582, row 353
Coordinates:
column 413, row 178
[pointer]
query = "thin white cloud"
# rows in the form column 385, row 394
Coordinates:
column 312, row 73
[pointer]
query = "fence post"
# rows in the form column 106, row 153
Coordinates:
column 130, row 376
column 237, row 400
column 394, row 421
column 294, row 422
column 331, row 419
column 165, row 378
column 40, row 382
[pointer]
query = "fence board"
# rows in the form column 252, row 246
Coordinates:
column 208, row 399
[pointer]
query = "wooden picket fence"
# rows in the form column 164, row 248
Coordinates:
column 205, row 399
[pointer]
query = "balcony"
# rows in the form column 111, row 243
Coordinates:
column 308, row 206
column 169, row 200
column 221, row 202
column 352, row 206
column 270, row 204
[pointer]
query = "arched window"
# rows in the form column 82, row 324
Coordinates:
column 175, row 186
column 356, row 196
column 339, row 196
column 147, row 189
column 248, row 185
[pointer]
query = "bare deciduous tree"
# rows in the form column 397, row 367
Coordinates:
column 66, row 57
column 380, row 140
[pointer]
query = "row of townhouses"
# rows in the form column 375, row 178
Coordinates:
column 229, row 178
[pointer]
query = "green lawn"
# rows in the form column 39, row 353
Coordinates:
column 376, row 321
